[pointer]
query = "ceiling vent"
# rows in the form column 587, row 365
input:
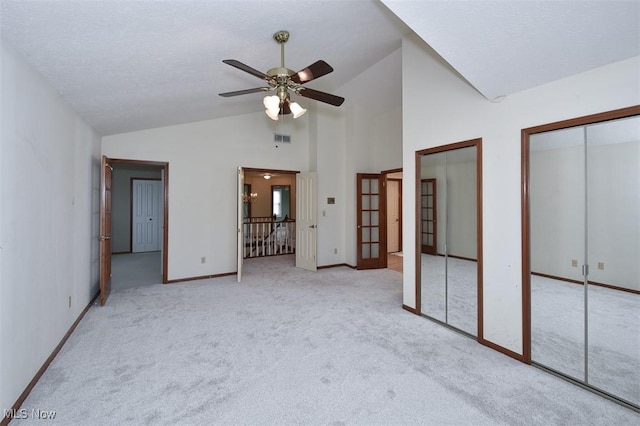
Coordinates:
column 278, row 138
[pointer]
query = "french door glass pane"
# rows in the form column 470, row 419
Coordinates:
column 366, row 235
column 374, row 186
column 366, row 202
column 375, row 202
column 375, row 234
column 375, row 218
column 366, row 218
column 366, row 251
column 365, row 186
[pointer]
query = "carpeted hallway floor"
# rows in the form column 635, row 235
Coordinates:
column 288, row 347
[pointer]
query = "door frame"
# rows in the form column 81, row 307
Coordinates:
column 381, row 261
column 477, row 143
column 106, row 201
column 525, row 202
column 165, row 219
column 241, row 170
column 385, row 174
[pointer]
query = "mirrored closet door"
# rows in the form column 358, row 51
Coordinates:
column 448, row 235
column 584, row 236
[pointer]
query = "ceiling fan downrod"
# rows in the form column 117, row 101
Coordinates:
column 281, row 37
column 281, row 74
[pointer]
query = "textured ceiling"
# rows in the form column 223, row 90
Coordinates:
column 128, row 65
column 502, row 47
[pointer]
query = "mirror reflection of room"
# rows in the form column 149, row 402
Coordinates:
column 584, row 188
column 448, row 235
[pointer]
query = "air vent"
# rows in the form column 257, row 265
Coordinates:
column 278, row 138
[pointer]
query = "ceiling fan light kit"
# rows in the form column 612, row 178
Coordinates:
column 283, row 80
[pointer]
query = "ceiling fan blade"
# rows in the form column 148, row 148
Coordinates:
column 321, row 96
column 313, row 71
column 244, row 92
column 246, row 68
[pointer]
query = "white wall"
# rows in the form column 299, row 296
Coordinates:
column 372, row 133
column 49, row 178
column 330, row 160
column 203, row 158
column 440, row 108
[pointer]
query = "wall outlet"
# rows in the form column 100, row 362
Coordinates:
column 574, row 263
column 335, row 251
column 601, row 266
column 203, row 259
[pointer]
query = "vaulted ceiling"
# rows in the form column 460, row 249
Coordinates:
column 128, row 65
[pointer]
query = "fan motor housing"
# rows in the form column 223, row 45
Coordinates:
column 280, row 72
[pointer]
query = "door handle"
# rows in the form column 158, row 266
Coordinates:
column 104, row 237
column 312, row 226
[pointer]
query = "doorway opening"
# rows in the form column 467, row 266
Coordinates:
column 134, row 224
column 379, row 220
column 393, row 187
column 268, row 212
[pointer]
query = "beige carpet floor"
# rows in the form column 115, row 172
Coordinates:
column 292, row 347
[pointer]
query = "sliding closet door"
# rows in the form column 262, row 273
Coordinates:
column 448, row 210
column 613, row 241
column 433, row 183
column 557, row 217
column 462, row 265
column 584, row 225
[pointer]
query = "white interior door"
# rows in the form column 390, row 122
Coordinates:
column 146, row 215
column 306, row 221
column 393, row 216
column 240, row 226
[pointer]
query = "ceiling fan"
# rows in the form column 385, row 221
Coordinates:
column 282, row 80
